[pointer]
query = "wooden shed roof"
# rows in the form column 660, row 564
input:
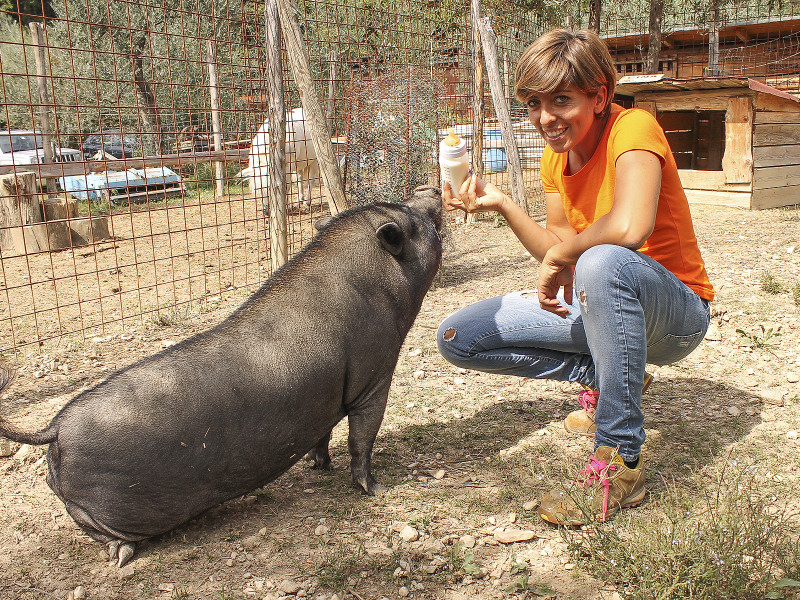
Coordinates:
column 740, row 31
column 633, row 84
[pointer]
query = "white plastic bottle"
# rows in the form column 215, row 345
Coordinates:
column 453, row 160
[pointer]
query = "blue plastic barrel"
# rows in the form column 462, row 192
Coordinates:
column 495, row 160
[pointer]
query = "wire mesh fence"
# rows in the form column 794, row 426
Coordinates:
column 118, row 205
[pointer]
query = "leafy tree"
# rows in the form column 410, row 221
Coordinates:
column 27, row 10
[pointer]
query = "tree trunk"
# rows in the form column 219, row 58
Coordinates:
column 595, row 7
column 713, row 39
column 654, row 40
column 148, row 111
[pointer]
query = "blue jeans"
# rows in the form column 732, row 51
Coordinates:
column 627, row 311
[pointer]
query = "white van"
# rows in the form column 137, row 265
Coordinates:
column 23, row 147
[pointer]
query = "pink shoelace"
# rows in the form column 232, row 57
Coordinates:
column 588, row 400
column 597, row 470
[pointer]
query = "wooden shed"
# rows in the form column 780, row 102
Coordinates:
column 736, row 140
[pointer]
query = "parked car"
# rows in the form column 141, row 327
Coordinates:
column 113, row 142
column 25, row 147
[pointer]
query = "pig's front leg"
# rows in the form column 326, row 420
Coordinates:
column 320, row 454
column 364, row 422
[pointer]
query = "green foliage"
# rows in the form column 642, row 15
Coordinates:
column 796, row 293
column 769, row 337
column 461, row 560
column 729, row 540
column 26, row 11
column 770, row 284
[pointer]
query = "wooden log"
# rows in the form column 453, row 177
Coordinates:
column 503, row 114
column 21, row 215
column 737, row 162
column 320, row 134
column 216, row 121
column 278, row 227
column 57, row 215
column 89, row 230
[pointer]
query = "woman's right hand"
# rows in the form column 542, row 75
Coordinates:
column 475, row 195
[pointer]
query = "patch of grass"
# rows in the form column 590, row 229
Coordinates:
column 796, row 293
column 727, row 540
column 340, row 564
column 168, row 318
column 770, row 284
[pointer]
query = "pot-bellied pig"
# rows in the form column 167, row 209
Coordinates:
column 228, row 410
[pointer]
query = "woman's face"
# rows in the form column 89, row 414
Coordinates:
column 567, row 120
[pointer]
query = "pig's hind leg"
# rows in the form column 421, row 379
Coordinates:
column 119, row 549
column 320, row 455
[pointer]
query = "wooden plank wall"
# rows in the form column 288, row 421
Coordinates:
column 776, row 159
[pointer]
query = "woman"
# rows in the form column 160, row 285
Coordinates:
column 621, row 281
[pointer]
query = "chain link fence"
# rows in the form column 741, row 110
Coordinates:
column 117, row 203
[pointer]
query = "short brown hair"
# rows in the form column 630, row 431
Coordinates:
column 566, row 57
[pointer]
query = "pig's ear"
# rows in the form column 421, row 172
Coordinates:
column 391, row 237
column 322, row 223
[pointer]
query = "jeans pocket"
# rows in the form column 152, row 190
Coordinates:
column 672, row 348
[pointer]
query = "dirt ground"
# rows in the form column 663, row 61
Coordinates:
column 465, row 455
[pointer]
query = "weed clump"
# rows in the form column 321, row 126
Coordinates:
column 770, row 284
column 730, row 540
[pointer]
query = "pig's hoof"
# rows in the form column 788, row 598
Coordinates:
column 373, row 488
column 121, row 551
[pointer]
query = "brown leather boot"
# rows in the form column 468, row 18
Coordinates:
column 581, row 422
column 606, row 485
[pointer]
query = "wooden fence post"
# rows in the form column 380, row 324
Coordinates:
column 216, row 121
column 320, row 134
column 278, row 228
column 478, row 104
column 503, row 114
column 44, row 99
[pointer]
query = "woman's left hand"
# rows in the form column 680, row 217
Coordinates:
column 555, row 273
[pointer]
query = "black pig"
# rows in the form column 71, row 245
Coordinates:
column 226, row 411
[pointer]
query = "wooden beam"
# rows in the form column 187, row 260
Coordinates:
column 776, row 156
column 776, row 197
column 719, row 198
column 737, row 162
column 775, row 135
column 777, row 117
column 777, row 177
column 743, row 36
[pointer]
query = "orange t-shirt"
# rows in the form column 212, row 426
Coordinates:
column 589, row 194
